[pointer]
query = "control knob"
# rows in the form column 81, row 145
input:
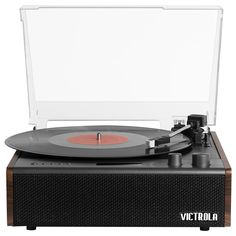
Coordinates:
column 200, row 160
column 175, row 160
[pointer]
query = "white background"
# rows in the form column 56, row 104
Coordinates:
column 14, row 105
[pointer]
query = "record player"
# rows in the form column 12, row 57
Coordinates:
column 120, row 64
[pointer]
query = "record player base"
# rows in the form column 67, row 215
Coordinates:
column 63, row 194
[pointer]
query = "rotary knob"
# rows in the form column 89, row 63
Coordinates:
column 200, row 160
column 175, row 160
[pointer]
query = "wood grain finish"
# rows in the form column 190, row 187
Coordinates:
column 228, row 174
column 10, row 188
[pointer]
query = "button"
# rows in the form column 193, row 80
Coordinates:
column 200, row 160
column 175, row 160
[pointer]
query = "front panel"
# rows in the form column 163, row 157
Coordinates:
column 118, row 200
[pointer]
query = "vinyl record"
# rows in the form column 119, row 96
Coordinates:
column 96, row 142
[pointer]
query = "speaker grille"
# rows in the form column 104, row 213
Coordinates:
column 116, row 199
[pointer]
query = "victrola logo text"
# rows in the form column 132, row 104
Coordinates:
column 199, row 216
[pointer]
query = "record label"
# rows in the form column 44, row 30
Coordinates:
column 97, row 139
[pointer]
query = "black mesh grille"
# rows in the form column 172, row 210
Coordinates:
column 116, row 199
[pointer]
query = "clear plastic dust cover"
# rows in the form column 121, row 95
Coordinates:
column 121, row 63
